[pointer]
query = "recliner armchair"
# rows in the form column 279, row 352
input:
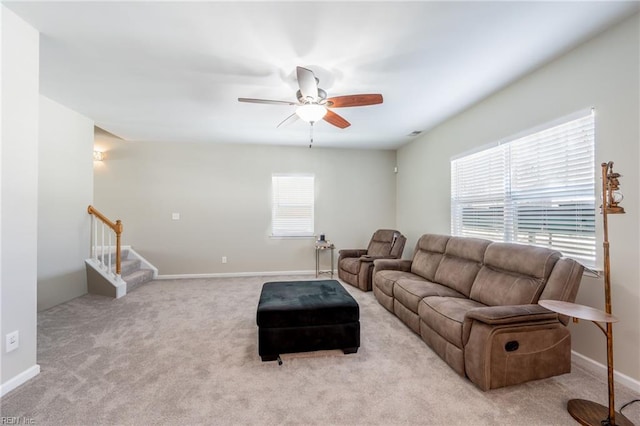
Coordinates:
column 355, row 266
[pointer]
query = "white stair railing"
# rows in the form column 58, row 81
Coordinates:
column 102, row 246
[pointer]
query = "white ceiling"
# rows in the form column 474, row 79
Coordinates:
column 172, row 71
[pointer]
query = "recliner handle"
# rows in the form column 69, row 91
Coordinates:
column 511, row 346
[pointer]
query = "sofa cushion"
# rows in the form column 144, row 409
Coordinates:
column 563, row 283
column 381, row 242
column 513, row 274
column 350, row 264
column 461, row 262
column 379, row 248
column 409, row 318
column 453, row 355
column 427, row 256
column 445, row 315
column 523, row 259
column 564, row 280
column 409, row 292
column 495, row 288
column 386, row 279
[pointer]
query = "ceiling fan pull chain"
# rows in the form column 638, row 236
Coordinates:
column 311, row 135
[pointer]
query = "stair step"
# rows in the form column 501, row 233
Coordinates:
column 124, row 255
column 137, row 277
column 128, row 266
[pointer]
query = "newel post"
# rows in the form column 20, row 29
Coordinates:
column 118, row 231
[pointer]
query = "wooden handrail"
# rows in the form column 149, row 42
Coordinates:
column 116, row 227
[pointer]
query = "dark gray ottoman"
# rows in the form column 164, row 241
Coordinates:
column 301, row 316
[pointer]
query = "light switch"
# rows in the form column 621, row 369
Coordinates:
column 175, row 216
column 12, row 341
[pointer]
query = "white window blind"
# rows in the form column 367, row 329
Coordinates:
column 538, row 189
column 292, row 205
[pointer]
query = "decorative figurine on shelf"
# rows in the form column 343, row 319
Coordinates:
column 611, row 190
column 322, row 241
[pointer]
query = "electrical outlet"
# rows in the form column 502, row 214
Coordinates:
column 224, row 259
column 13, row 341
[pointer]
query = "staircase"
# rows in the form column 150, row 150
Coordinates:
column 113, row 270
column 135, row 270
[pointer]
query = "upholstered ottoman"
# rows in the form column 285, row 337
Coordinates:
column 301, row 316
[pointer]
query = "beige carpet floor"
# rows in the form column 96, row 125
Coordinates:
column 184, row 352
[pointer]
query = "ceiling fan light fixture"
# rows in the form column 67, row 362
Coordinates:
column 311, row 112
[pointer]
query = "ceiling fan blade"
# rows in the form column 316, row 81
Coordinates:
column 289, row 120
column 354, row 100
column 308, row 83
column 333, row 118
column 266, row 101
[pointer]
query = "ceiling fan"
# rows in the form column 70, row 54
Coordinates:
column 313, row 104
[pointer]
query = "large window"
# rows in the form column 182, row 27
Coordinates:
column 292, row 205
column 538, row 189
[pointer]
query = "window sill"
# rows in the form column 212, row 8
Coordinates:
column 292, row 237
column 592, row 272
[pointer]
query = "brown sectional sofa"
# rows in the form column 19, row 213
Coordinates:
column 474, row 302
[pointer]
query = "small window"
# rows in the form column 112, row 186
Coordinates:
column 292, row 205
column 538, row 190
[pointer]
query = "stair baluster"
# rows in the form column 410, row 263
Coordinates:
column 116, row 227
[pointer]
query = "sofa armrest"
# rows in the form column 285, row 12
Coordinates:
column 507, row 345
column 512, row 315
column 498, row 315
column 344, row 253
column 392, row 264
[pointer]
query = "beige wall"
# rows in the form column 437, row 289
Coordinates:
column 223, row 195
column 602, row 73
column 65, row 189
column 19, row 196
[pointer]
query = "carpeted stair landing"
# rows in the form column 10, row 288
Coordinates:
column 133, row 273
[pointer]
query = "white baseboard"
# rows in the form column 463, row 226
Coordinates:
column 21, row 378
column 237, row 274
column 601, row 369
